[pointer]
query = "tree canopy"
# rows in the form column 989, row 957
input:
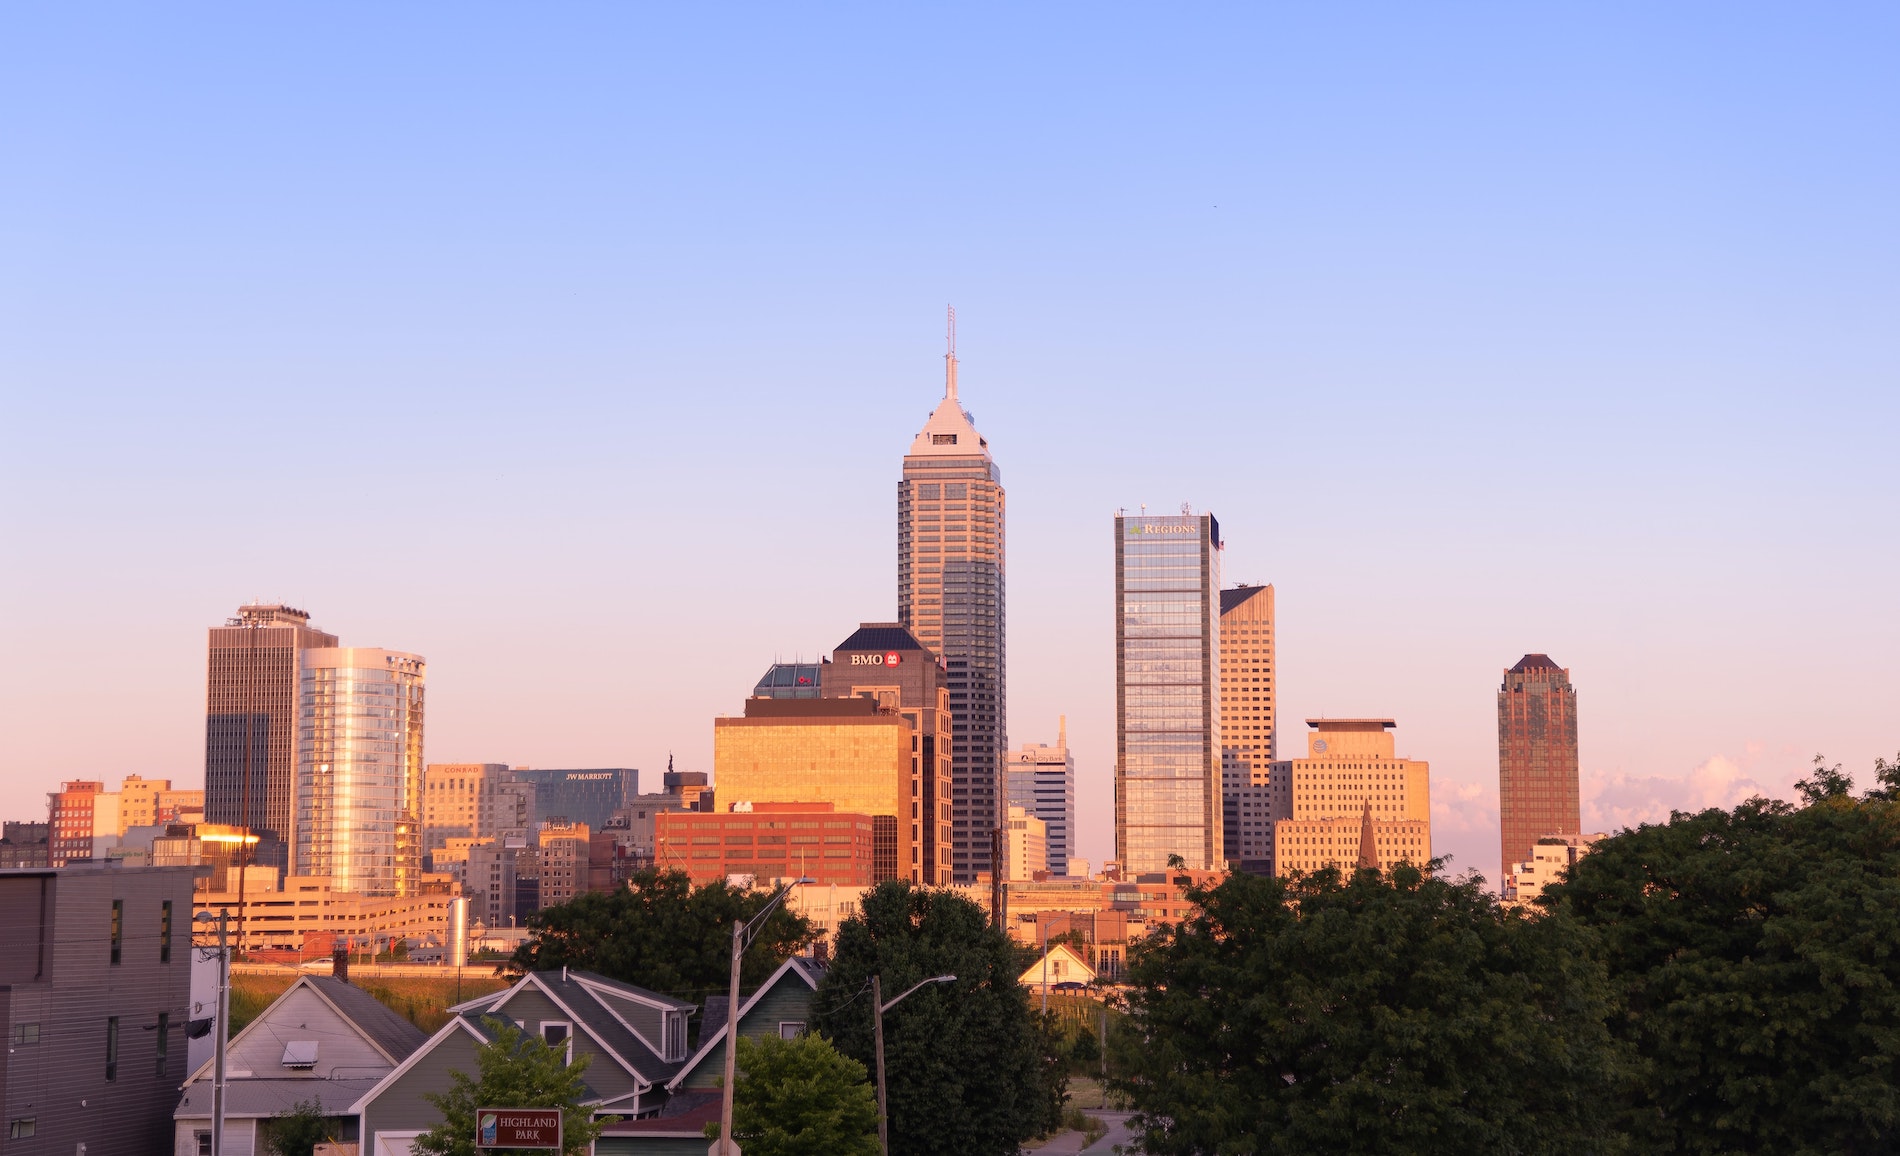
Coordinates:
column 1755, row 955
column 1368, row 1013
column 514, row 1070
column 661, row 933
column 801, row 1097
column 968, row 1069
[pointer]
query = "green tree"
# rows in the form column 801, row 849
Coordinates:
column 661, row 933
column 1756, row 959
column 1367, row 1014
column 296, row 1131
column 515, row 1070
column 967, row 1067
column 801, row 1097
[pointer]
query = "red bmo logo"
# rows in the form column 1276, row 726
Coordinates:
column 891, row 659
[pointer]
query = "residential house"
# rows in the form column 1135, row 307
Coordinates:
column 636, row 1041
column 324, row 1041
column 781, row 1006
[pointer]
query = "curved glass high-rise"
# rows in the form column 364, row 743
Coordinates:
column 359, row 769
column 950, row 594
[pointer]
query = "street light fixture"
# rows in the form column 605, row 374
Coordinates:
column 741, row 939
column 877, row 1001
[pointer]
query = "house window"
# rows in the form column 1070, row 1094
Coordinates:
column 22, row 1129
column 204, row 1142
column 118, row 928
column 164, row 1040
column 165, row 932
column 112, row 1047
column 28, row 1033
column 556, row 1034
column 790, row 1029
column 675, row 1042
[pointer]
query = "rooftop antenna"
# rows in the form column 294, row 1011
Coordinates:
column 950, row 358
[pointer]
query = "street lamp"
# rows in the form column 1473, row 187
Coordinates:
column 223, row 918
column 877, row 993
column 741, row 939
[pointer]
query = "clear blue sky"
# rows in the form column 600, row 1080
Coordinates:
column 576, row 349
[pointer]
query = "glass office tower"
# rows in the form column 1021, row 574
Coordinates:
column 950, row 595
column 359, row 770
column 1167, row 700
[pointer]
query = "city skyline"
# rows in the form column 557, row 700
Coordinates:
column 1478, row 347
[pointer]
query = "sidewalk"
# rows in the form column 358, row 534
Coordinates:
column 1070, row 1143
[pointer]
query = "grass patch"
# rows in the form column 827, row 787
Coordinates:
column 422, row 1000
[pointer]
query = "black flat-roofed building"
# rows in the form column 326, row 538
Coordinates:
column 95, row 998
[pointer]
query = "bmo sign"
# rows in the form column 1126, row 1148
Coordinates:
column 888, row 658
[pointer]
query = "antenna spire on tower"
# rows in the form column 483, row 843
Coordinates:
column 950, row 359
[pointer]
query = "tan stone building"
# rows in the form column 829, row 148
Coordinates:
column 1551, row 859
column 460, row 801
column 307, row 916
column 1251, row 797
column 1351, row 764
column 848, row 752
column 564, row 849
column 1026, row 844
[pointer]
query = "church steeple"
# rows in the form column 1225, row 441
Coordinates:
column 1368, row 846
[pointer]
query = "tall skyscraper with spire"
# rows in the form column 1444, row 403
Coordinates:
column 950, row 594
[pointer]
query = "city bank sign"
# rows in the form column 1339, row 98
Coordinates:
column 888, row 658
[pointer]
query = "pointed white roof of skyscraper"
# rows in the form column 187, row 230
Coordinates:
column 950, row 432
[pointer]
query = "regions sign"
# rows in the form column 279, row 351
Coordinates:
column 501, row 1128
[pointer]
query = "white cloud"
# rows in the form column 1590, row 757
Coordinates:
column 1616, row 799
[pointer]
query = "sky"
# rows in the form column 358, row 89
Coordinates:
column 576, row 348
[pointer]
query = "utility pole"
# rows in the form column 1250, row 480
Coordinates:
column 726, row 1146
column 877, row 1034
column 220, row 1026
column 879, row 1007
column 741, row 937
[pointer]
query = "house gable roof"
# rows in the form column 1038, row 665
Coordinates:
column 1075, row 969
column 804, row 969
column 392, row 1036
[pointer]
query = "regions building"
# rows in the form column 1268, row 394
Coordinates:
column 252, row 698
column 1350, row 784
column 359, row 770
column 950, row 594
column 1167, row 702
column 860, row 757
column 1042, row 783
column 1537, row 757
column 888, row 664
column 769, row 842
column 95, row 998
column 1250, row 797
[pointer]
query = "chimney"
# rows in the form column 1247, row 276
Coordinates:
column 340, row 963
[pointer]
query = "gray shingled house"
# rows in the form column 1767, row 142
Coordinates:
column 323, row 1040
column 780, row 1007
column 637, row 1040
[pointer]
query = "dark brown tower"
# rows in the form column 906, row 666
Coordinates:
column 251, row 699
column 1537, row 757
